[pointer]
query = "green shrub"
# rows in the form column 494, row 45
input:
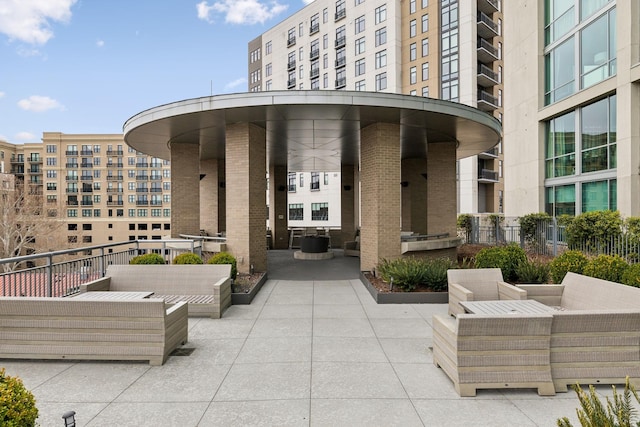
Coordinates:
column 532, row 228
column 187, row 258
column 506, row 258
column 147, row 259
column 573, row 261
column 607, row 267
column 618, row 412
column 593, row 229
column 631, row 276
column 532, row 271
column 17, row 404
column 410, row 272
column 225, row 258
column 465, row 223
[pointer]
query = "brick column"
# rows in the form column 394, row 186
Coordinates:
column 246, row 188
column 278, row 210
column 441, row 188
column 209, row 189
column 414, row 195
column 348, row 222
column 380, row 187
column 185, row 189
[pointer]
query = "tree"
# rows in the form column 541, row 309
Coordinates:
column 22, row 220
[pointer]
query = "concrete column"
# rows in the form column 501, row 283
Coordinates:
column 278, row 210
column 414, row 195
column 209, row 189
column 185, row 189
column 441, row 188
column 380, row 193
column 246, row 187
column 348, row 216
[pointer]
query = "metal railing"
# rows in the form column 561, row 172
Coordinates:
column 60, row 273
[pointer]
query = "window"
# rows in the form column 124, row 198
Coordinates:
column 291, row 37
column 52, row 174
column 561, row 146
column 315, row 24
column 268, row 70
column 381, row 36
column 325, row 15
column 598, row 55
column 599, row 196
column 360, row 86
column 360, row 46
column 51, row 161
column 425, row 71
column 301, row 180
column 51, row 186
column 301, row 29
column 86, row 213
column 412, row 28
column 360, row 68
column 142, row 212
column 72, row 227
column 132, row 213
column 292, row 181
column 598, row 136
column 51, row 148
column 326, row 178
column 559, row 19
column 381, row 14
column 268, row 47
column 315, row 181
column 425, row 23
column 359, row 24
column 296, row 212
column 413, row 75
column 166, row 213
column 381, row 59
column 381, row 81
column 319, row 211
column 413, row 52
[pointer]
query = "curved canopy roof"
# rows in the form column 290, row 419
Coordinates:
column 312, row 130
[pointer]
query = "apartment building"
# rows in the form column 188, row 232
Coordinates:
column 100, row 189
column 573, row 106
column 447, row 49
column 313, row 199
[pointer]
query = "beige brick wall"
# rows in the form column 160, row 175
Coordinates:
column 278, row 215
column 246, row 189
column 209, row 189
column 414, row 196
column 441, row 188
column 380, row 193
column 185, row 189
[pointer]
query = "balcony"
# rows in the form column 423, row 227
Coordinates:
column 115, row 152
column 488, row 6
column 35, row 171
column 489, row 154
column 487, row 52
column 291, row 65
column 486, row 101
column 291, row 41
column 72, row 190
column 341, row 82
column 17, row 159
column 155, row 178
column 315, row 53
column 86, row 165
column 315, row 72
column 314, row 29
column 142, row 165
column 341, row 42
column 86, row 203
column 115, row 203
column 114, row 178
column 486, row 27
column 340, row 14
column 72, row 203
column 86, row 178
column 487, row 176
column 35, row 159
column 71, row 178
column 291, row 84
column 115, row 165
column 87, row 190
column 486, row 76
column 142, row 190
column 142, row 203
column 71, row 165
column 71, row 153
column 114, row 190
column 155, row 190
column 341, row 62
column 142, row 177
column 86, row 153
column 156, row 203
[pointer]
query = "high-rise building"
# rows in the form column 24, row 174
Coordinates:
column 572, row 106
column 447, row 49
column 100, row 189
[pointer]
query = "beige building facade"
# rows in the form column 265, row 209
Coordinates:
column 97, row 187
column 445, row 49
column 572, row 106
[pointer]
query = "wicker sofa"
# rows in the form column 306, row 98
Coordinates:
column 494, row 351
column 595, row 335
column 478, row 284
column 68, row 328
column 206, row 288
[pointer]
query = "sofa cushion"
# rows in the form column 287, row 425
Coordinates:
column 583, row 292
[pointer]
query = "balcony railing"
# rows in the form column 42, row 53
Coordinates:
column 341, row 82
column 340, row 14
column 486, row 101
column 142, row 165
column 487, row 52
column 71, row 153
column 315, row 72
column 341, row 42
column 486, row 76
column 114, row 190
column 291, row 65
column 35, row 159
column 142, row 203
column 488, row 175
column 86, row 152
column 114, row 178
column 291, row 41
column 115, row 203
column 487, row 28
column 86, row 203
column 314, row 28
column 86, row 178
column 315, row 53
column 115, row 165
column 291, row 83
column 115, row 152
column 71, row 165
column 142, row 177
column 341, row 62
column 488, row 6
column 142, row 190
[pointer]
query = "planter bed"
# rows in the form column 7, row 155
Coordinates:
column 404, row 297
column 238, row 298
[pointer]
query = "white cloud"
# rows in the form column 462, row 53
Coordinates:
column 39, row 104
column 100, row 43
column 2, row 94
column 29, row 20
column 25, row 136
column 234, row 84
column 240, row 11
column 307, row 1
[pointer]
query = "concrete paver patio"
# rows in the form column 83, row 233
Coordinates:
column 304, row 353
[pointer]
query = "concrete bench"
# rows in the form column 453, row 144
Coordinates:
column 205, row 288
column 65, row 328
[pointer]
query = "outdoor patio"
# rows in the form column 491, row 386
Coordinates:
column 305, row 352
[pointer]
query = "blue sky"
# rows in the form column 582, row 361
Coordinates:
column 86, row 66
